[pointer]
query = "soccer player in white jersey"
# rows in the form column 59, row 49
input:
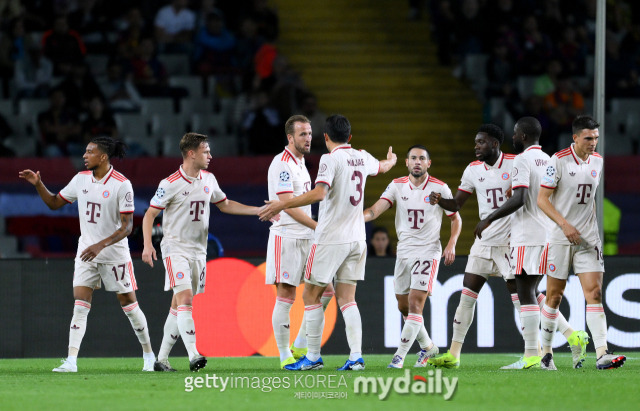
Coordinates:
column 419, row 250
column 184, row 197
column 290, row 237
column 339, row 247
column 490, row 178
column 528, row 241
column 105, row 208
column 567, row 195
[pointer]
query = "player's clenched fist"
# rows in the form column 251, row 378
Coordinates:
column 434, row 198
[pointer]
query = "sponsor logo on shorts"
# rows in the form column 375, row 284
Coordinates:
column 105, row 194
column 552, row 267
column 594, row 173
column 206, row 189
column 285, row 275
column 505, row 176
column 180, row 275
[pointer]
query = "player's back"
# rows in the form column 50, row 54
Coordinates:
column 345, row 171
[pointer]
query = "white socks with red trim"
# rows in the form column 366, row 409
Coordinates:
column 170, row 336
column 187, row 329
column 78, row 326
column 412, row 326
column 139, row 324
column 353, row 328
column 315, row 324
column 280, row 323
column 464, row 315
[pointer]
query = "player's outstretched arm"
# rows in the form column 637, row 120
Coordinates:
column 233, row 207
column 53, row 201
column 572, row 234
column 126, row 226
column 272, row 208
column 449, row 204
column 386, row 165
column 149, row 251
column 375, row 210
column 516, row 200
column 297, row 214
column 456, row 228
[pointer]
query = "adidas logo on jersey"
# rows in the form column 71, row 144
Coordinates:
column 85, row 191
column 405, row 198
column 481, row 179
column 573, row 173
column 186, row 193
column 192, row 332
column 175, row 337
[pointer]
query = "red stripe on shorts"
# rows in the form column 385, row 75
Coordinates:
column 312, row 253
column 278, row 256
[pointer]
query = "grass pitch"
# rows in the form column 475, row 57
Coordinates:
column 118, row 384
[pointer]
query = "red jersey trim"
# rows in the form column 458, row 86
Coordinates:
column 323, row 182
column 390, row 202
column 86, row 172
column 401, row 180
column 534, row 148
column 218, row 202
column 156, row 207
column 475, row 163
column 450, row 215
column 550, row 188
column 435, row 180
column 126, row 212
column 595, row 154
column 459, row 189
column 183, row 176
column 521, row 185
column 62, row 197
column 291, row 156
column 284, row 192
column 341, row 148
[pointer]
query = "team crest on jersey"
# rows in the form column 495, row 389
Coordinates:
column 129, row 197
column 105, row 194
column 160, row 192
column 180, row 275
column 284, row 176
column 206, row 189
column 505, row 176
column 426, row 199
column 552, row 267
column 285, row 275
column 323, row 168
column 594, row 173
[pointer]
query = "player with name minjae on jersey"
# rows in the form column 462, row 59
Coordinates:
column 567, row 196
column 528, row 241
column 490, row 178
column 105, row 208
column 419, row 250
column 185, row 197
column 339, row 247
column 291, row 236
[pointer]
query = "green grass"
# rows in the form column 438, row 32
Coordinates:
column 118, row 384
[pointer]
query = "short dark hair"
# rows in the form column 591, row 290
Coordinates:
column 289, row 126
column 110, row 146
column 191, row 141
column 582, row 122
column 420, row 147
column 338, row 128
column 493, row 131
column 530, row 126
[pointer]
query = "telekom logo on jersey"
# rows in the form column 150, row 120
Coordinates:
column 495, row 197
column 485, row 318
column 197, row 209
column 93, row 211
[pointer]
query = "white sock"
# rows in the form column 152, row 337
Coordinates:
column 563, row 324
column 548, row 325
column 315, row 325
column 353, row 328
column 410, row 330
column 597, row 323
column 301, row 338
column 78, row 326
column 530, row 321
column 138, row 322
column 464, row 315
column 72, row 359
column 187, row 329
column 170, row 335
column 280, row 323
column 423, row 336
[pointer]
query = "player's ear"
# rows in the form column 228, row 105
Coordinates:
column 349, row 138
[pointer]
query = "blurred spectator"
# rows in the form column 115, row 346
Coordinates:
column 5, row 131
column 266, row 19
column 501, row 73
column 206, row 7
column 59, row 128
column 79, row 87
column 33, row 74
column 444, row 21
column 91, row 20
column 565, row 103
column 286, row 87
column 536, row 47
column 534, row 107
column 546, row 83
column 247, row 45
column 309, row 108
column 132, row 30
column 380, row 244
column 469, row 29
column 572, row 53
column 175, row 25
column 261, row 125
column 14, row 44
column 64, row 47
column 621, row 71
column 100, row 122
column 213, row 55
column 120, row 93
column 263, row 64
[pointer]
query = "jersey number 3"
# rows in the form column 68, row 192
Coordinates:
column 357, row 175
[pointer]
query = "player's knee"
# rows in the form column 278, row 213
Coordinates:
column 403, row 307
column 594, row 295
column 554, row 299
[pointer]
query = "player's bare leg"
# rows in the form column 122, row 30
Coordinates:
column 286, row 295
column 82, row 306
column 597, row 321
column 186, row 326
column 138, row 321
column 346, row 299
column 299, row 346
column 170, row 336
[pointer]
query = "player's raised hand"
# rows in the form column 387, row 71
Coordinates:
column 434, row 198
column 269, row 210
column 149, row 255
column 391, row 156
column 30, row 176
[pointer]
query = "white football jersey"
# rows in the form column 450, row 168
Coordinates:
column 490, row 184
column 185, row 201
column 528, row 223
column 288, row 174
column 417, row 221
column 100, row 204
column 345, row 171
column 575, row 183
